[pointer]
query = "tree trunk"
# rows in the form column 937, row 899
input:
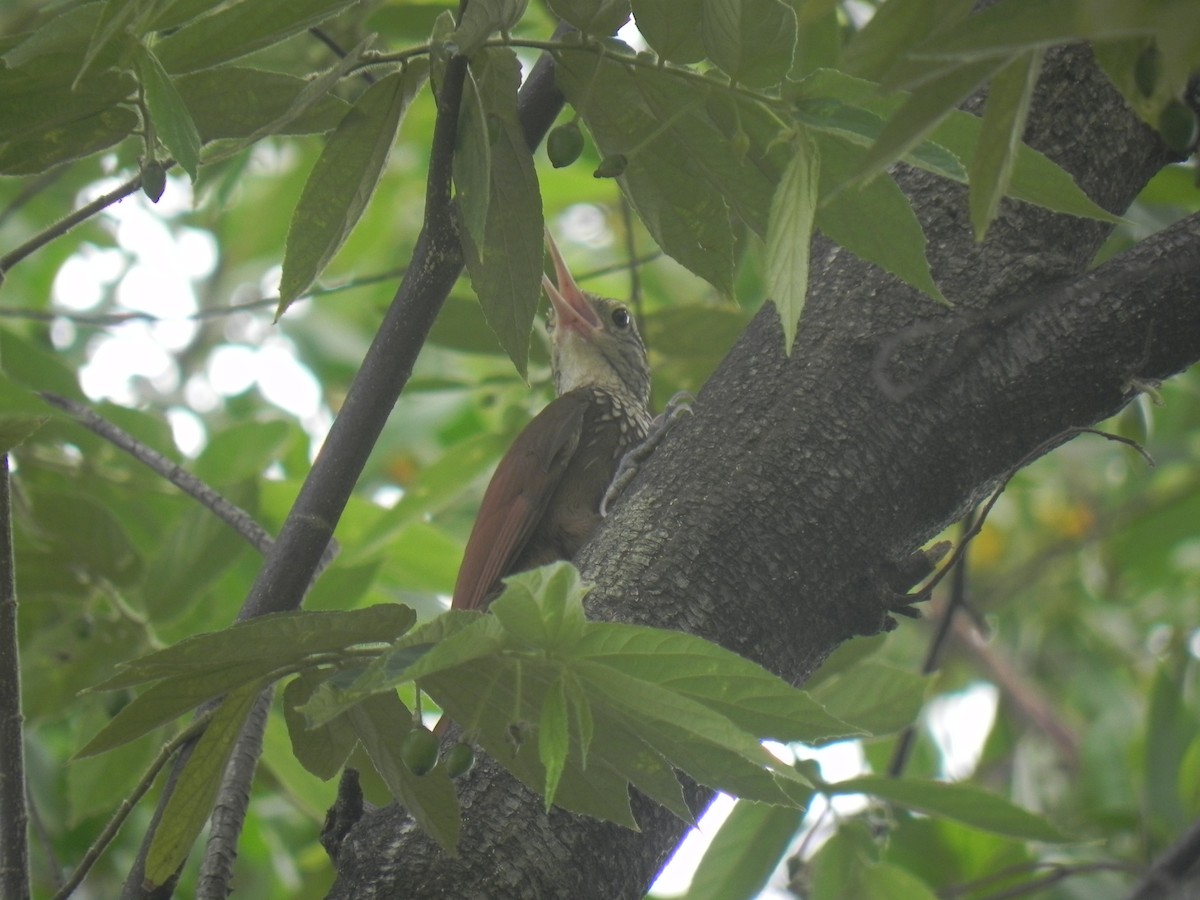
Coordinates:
column 775, row 519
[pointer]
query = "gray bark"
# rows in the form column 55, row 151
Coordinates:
column 773, row 521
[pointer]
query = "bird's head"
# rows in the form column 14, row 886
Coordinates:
column 594, row 339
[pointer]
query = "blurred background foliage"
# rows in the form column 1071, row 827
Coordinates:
column 1087, row 574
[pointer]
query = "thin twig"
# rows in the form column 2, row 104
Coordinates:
column 232, row 515
column 68, row 222
column 958, row 600
column 1057, row 872
column 127, row 804
column 14, row 836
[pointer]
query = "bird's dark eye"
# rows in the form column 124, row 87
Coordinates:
column 621, row 317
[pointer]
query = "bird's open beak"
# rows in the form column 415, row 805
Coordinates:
column 571, row 307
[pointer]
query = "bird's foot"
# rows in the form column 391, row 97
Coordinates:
column 678, row 405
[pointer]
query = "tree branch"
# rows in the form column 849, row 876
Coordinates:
column 771, row 520
column 436, row 264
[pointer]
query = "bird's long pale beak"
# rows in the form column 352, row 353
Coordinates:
column 571, row 307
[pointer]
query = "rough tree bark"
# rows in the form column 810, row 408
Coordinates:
column 773, row 520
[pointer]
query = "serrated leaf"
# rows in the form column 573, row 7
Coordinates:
column 191, row 802
column 506, row 271
column 1036, row 178
column 1008, row 100
column 381, row 722
column 927, row 106
column 553, row 739
column 169, row 114
column 595, row 17
column 745, row 852
column 789, row 235
column 752, row 41
column 343, row 179
column 321, row 750
column 961, row 802
column 874, row 221
column 240, row 29
column 482, row 19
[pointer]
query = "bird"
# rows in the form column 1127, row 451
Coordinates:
column 546, row 495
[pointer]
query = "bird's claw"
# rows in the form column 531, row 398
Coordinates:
column 679, row 405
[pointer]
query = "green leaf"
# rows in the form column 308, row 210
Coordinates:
column 1170, row 727
column 66, row 143
column 66, row 35
column 115, row 18
column 268, row 641
column 169, row 114
column 745, row 852
column 322, row 749
column 894, row 30
column 15, row 429
column 747, row 694
column 240, row 29
column 597, row 17
column 666, row 179
column 1035, row 178
column 506, row 271
column 789, row 235
column 1008, row 100
column 342, row 181
column 381, row 722
column 874, row 221
column 752, row 41
column 877, row 698
column 188, row 560
column 924, row 109
column 233, row 102
column 553, row 739
column 482, row 19
column 191, row 802
column 170, row 14
column 544, row 606
column 243, row 451
column 33, row 103
column 671, row 28
column 961, row 802
column 472, row 166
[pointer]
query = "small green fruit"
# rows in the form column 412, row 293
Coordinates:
column 1147, row 69
column 564, row 144
column 611, row 166
column 459, row 760
column 154, row 180
column 419, row 750
column 1177, row 124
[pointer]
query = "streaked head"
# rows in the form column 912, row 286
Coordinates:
column 595, row 339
